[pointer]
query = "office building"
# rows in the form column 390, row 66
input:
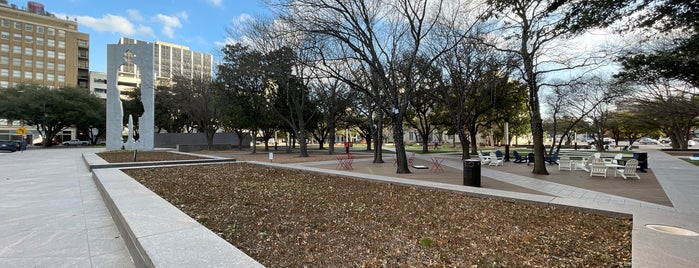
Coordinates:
column 169, row 60
column 36, row 47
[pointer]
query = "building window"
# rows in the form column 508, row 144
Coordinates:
column 40, row 41
column 61, row 67
column 61, row 44
column 61, row 56
column 49, row 77
column 4, row 72
column 4, row 84
column 49, row 66
column 61, row 78
column 39, row 64
column 51, row 31
column 17, row 37
column 40, row 53
column 28, row 39
column 5, row 35
column 16, row 61
column 61, row 33
column 28, row 51
column 51, row 42
column 28, row 63
column 39, row 76
column 5, row 23
column 4, row 60
column 29, row 27
column 16, row 74
column 82, row 43
column 17, row 49
column 28, row 75
column 51, row 54
column 40, row 29
column 5, row 48
column 18, row 25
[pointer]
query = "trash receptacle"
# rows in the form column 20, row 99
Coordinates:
column 472, row 172
column 642, row 158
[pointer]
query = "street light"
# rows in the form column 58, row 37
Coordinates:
column 507, row 141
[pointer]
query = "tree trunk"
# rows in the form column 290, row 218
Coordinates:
column 378, row 139
column 332, row 137
column 402, row 160
column 425, row 143
column 465, row 144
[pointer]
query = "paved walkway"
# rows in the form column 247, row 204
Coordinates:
column 52, row 215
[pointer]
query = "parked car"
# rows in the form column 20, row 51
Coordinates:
column 8, row 146
column 649, row 141
column 605, row 140
column 74, row 142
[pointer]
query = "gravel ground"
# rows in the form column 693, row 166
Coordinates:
column 289, row 218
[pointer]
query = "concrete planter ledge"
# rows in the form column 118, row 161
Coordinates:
column 95, row 162
column 158, row 234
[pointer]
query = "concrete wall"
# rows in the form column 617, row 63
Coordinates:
column 171, row 140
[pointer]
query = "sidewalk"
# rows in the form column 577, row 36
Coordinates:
column 52, row 215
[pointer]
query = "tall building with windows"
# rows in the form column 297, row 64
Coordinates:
column 36, row 47
column 169, row 60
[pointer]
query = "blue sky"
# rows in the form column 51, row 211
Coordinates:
column 199, row 24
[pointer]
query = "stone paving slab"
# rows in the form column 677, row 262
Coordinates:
column 52, row 214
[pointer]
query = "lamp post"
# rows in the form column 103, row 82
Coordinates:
column 507, row 141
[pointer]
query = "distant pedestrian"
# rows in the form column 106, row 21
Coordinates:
column 23, row 146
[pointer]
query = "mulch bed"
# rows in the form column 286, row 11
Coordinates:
column 143, row 156
column 290, row 218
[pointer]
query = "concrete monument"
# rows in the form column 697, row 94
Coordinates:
column 142, row 56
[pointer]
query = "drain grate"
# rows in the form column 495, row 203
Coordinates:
column 671, row 230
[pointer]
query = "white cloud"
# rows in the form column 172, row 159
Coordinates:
column 112, row 23
column 170, row 23
column 134, row 14
column 216, row 3
column 242, row 19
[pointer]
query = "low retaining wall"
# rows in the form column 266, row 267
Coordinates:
column 200, row 147
column 158, row 234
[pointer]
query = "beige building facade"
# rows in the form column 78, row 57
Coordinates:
column 36, row 47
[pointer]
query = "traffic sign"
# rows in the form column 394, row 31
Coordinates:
column 21, row 130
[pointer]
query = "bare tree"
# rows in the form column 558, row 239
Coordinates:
column 576, row 100
column 334, row 98
column 533, row 31
column 378, row 34
column 197, row 96
column 671, row 106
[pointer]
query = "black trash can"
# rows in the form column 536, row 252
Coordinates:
column 642, row 158
column 472, row 172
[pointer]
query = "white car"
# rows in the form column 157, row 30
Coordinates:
column 649, row 141
column 74, row 142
